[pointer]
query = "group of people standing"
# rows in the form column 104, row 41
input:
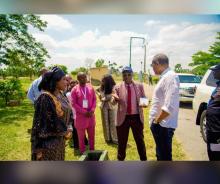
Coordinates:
column 65, row 108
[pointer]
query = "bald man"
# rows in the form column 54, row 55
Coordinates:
column 83, row 100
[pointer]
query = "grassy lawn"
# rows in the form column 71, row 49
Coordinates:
column 15, row 139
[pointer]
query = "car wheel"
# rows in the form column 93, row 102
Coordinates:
column 203, row 125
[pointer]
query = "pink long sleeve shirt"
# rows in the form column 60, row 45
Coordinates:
column 77, row 96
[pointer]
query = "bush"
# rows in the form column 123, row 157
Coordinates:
column 155, row 79
column 95, row 82
column 11, row 90
column 77, row 70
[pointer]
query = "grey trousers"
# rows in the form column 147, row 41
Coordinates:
column 108, row 122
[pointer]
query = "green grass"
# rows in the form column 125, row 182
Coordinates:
column 15, row 139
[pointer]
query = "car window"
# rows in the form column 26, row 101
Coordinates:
column 189, row 79
column 211, row 81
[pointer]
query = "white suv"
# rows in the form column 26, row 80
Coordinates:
column 202, row 96
column 188, row 84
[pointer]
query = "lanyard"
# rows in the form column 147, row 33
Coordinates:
column 83, row 92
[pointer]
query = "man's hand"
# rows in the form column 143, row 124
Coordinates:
column 91, row 113
column 162, row 116
column 87, row 114
column 143, row 106
column 68, row 135
column 39, row 155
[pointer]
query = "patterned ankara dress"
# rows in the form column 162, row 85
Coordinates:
column 48, row 129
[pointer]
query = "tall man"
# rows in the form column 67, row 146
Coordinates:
column 33, row 91
column 84, row 102
column 130, row 114
column 165, row 107
column 213, row 119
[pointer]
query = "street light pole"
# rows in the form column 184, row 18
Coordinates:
column 145, row 58
column 130, row 52
column 144, row 45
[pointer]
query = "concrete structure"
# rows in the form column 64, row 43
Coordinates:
column 96, row 74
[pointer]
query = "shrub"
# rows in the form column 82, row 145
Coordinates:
column 155, row 79
column 11, row 90
column 95, row 82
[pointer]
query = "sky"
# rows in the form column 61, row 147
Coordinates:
column 74, row 40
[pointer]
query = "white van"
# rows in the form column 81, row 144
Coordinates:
column 188, row 85
column 200, row 101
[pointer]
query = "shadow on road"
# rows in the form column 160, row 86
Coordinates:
column 185, row 105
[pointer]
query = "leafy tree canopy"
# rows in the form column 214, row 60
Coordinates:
column 202, row 61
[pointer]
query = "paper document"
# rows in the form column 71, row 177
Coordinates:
column 144, row 102
column 215, row 147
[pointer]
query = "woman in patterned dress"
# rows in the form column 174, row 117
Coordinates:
column 49, row 129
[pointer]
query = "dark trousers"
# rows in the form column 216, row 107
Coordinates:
column 75, row 138
column 133, row 122
column 213, row 137
column 163, row 139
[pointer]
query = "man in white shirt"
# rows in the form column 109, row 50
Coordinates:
column 33, row 92
column 165, row 107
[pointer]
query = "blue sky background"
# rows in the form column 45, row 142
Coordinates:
column 76, row 40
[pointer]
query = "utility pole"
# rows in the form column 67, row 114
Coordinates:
column 144, row 45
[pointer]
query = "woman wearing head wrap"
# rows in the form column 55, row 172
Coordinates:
column 51, row 116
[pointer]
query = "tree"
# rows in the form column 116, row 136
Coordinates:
column 202, row 61
column 11, row 90
column 114, row 68
column 17, row 42
column 178, row 68
column 77, row 70
column 215, row 48
column 62, row 67
column 3, row 73
column 99, row 63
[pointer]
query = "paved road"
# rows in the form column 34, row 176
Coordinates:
column 188, row 134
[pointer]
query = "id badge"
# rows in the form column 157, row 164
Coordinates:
column 85, row 104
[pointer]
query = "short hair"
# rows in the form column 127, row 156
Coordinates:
column 43, row 70
column 81, row 73
column 73, row 81
column 161, row 59
column 69, row 76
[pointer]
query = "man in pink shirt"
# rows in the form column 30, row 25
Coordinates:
column 130, row 114
column 84, row 102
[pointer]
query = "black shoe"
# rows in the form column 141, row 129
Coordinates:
column 86, row 142
column 108, row 142
column 75, row 147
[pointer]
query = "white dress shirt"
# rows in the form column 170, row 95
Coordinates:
column 166, row 97
column 33, row 91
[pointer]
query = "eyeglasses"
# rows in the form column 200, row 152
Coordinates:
column 154, row 63
column 127, row 74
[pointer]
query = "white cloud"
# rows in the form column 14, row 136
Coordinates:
column 47, row 40
column 57, row 22
column 179, row 41
column 151, row 23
